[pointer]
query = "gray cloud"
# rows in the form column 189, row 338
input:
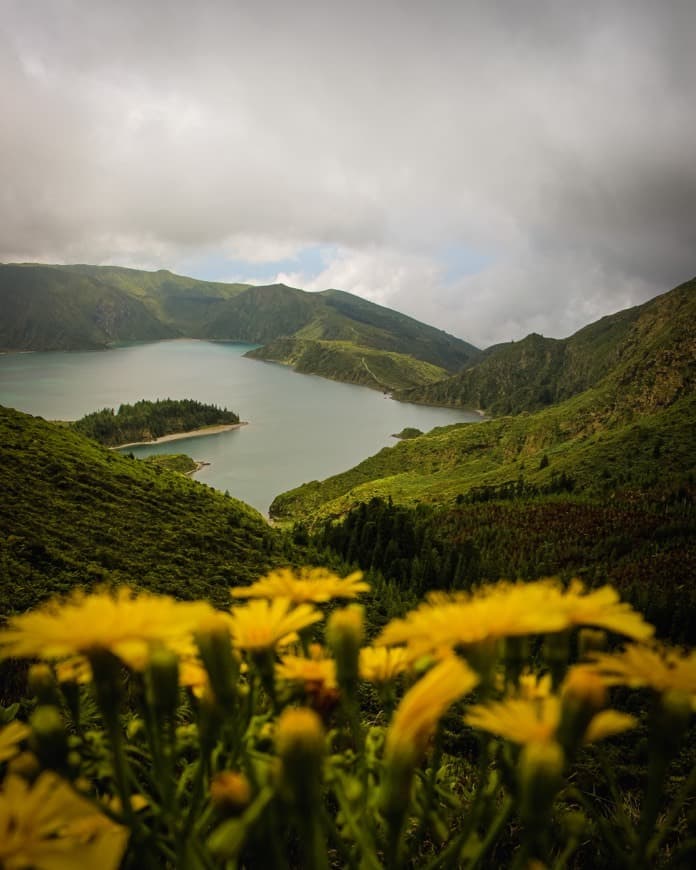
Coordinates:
column 555, row 139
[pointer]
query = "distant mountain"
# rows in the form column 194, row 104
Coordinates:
column 71, row 307
column 537, row 372
column 630, row 420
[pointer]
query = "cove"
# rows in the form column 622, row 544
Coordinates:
column 301, row 427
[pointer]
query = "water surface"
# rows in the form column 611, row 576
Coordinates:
column 301, row 427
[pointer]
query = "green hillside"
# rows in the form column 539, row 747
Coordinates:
column 50, row 308
column 351, row 363
column 73, row 307
column 537, row 372
column 77, row 513
column 634, row 425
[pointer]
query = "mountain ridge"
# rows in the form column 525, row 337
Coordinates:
column 77, row 307
column 639, row 412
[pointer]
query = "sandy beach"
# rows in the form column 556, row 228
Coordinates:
column 178, row 436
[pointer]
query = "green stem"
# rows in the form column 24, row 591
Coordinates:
column 616, row 797
column 684, row 792
column 493, row 831
column 357, row 827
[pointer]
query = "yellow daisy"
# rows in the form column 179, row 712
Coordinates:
column 10, row 738
column 603, row 608
column 123, row 622
column 48, row 827
column 657, row 667
column 520, row 720
column 534, row 715
column 263, row 625
column 316, row 585
column 382, row 664
column 501, row 610
column 421, row 708
column 510, row 610
column 314, row 673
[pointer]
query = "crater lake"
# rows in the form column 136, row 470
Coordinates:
column 300, row 427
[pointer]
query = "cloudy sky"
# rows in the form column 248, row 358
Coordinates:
column 490, row 167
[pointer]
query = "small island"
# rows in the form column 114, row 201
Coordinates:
column 407, row 432
column 147, row 422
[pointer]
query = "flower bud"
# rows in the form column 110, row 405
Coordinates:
column 230, row 792
column 345, row 633
column 300, row 744
column 215, row 646
column 516, row 653
column 670, row 722
column 540, row 775
column 49, row 740
column 556, row 653
column 162, row 678
column 106, row 676
column 583, row 694
column 41, row 683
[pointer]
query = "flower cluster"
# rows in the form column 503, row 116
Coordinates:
column 221, row 729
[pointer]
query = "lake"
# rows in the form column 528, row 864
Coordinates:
column 301, row 427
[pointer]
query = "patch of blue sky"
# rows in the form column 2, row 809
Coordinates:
column 457, row 261
column 309, row 262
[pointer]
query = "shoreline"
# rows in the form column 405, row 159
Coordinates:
column 179, row 436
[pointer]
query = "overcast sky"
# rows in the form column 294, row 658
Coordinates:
column 490, row 167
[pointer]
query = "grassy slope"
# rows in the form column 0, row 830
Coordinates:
column 536, row 372
column 77, row 513
column 49, row 308
column 350, row 363
column 640, row 415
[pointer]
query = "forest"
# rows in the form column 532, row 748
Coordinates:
column 146, row 420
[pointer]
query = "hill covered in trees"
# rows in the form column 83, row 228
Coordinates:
column 632, row 427
column 617, row 351
column 146, row 420
column 75, row 513
column 330, row 333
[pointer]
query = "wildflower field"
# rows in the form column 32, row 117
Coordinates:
column 488, row 728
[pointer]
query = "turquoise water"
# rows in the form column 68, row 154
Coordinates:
column 301, row 427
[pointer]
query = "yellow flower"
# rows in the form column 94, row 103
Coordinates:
column 47, row 826
column 657, row 667
column 421, row 708
column 10, row 738
column 496, row 611
column 315, row 672
column 520, row 720
column 532, row 686
column 510, row 610
column 124, row 622
column 535, row 715
column 316, row 585
column 263, row 625
column 382, row 664
column 603, row 609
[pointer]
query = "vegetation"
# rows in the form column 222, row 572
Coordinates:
column 179, row 462
column 161, row 734
column 537, row 372
column 408, row 432
column 633, row 428
column 75, row 513
column 70, row 307
column 350, row 363
column 634, row 541
column 146, row 421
